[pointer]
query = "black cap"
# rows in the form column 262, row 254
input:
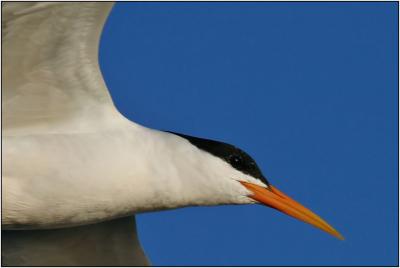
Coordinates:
column 234, row 156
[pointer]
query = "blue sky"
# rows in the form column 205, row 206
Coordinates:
column 308, row 89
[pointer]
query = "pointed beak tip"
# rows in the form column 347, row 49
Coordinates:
column 339, row 236
column 274, row 198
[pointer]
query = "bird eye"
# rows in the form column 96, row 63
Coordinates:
column 235, row 160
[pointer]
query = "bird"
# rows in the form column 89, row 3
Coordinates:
column 76, row 171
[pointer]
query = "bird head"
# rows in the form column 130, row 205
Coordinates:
column 248, row 176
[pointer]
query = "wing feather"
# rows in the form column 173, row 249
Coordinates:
column 109, row 243
column 51, row 77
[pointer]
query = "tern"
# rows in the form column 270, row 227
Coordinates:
column 75, row 171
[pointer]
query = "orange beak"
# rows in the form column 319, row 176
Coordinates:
column 274, row 198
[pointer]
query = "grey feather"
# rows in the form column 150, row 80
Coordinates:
column 110, row 243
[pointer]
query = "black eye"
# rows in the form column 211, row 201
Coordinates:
column 235, row 160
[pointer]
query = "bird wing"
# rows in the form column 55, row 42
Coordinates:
column 51, row 77
column 110, row 243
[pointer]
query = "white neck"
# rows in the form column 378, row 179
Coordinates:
column 113, row 173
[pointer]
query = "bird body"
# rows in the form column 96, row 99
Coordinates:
column 75, row 170
column 107, row 174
